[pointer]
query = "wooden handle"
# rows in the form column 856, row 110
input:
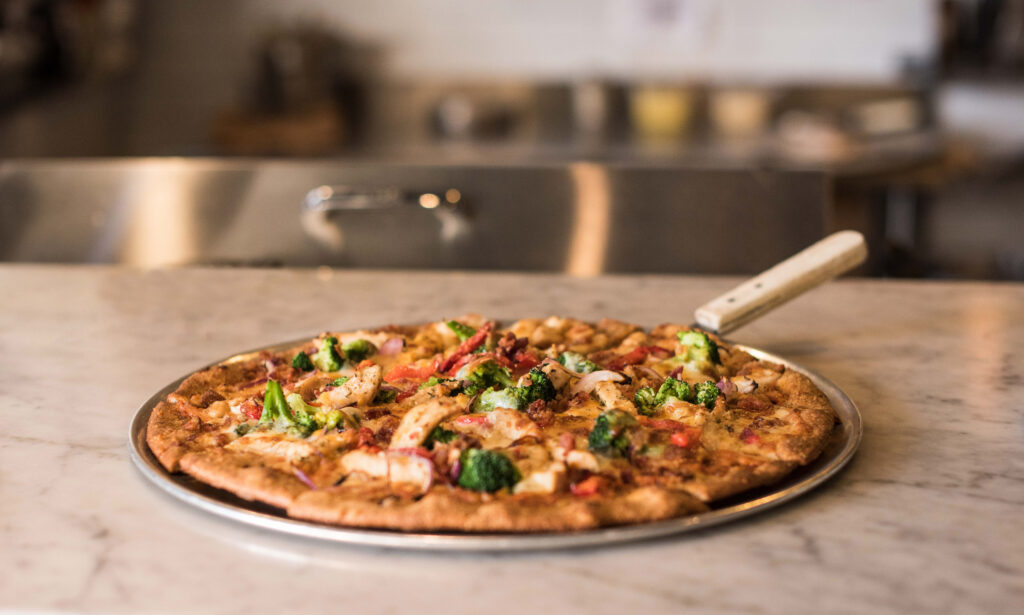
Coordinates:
column 799, row 273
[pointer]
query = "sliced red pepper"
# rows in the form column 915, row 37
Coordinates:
column 749, row 437
column 471, row 419
column 636, row 356
column 500, row 360
column 468, row 346
column 252, row 409
column 686, row 438
column 413, row 372
column 588, row 486
column 406, row 394
column 364, row 364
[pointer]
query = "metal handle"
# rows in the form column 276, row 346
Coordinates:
column 812, row 266
column 350, row 198
column 322, row 202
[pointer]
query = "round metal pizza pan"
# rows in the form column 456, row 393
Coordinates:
column 843, row 444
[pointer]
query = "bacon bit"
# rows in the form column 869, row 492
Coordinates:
column 509, row 345
column 567, row 441
column 366, row 437
column 539, row 413
column 757, row 402
column 471, row 419
column 686, row 438
column 667, row 424
column 468, row 346
column 636, row 356
column 588, row 486
column 526, row 360
column 675, row 373
column 749, row 437
column 252, row 409
column 412, row 372
column 406, row 394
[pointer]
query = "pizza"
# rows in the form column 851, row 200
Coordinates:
column 464, row 425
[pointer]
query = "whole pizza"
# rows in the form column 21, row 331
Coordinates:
column 544, row 425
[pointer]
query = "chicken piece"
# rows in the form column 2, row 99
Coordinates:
column 359, row 390
column 420, row 420
column 499, row 427
column 396, row 468
column 581, row 460
column 612, row 397
column 547, row 480
column 559, row 374
column 275, row 444
column 308, row 386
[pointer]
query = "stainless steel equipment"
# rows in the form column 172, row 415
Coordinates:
column 581, row 218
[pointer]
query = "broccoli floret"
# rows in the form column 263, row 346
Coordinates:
column 291, row 414
column 275, row 407
column 512, row 397
column 707, row 393
column 244, row 428
column 673, row 388
column 609, row 436
column 700, row 349
column 439, row 434
column 301, row 361
column 327, row 358
column 485, row 376
column 340, row 380
column 577, row 363
column 540, row 387
column 385, row 396
column 484, row 470
column 463, row 332
column 434, row 381
column 647, row 400
column 357, row 350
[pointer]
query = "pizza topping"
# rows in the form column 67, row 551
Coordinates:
column 420, row 420
column 414, row 372
column 468, row 346
column 391, row 347
column 591, row 485
column 482, row 375
column 252, row 409
column 360, row 389
column 609, row 436
column 327, row 358
column 463, row 332
column 726, row 386
column 358, row 350
column 557, row 375
column 439, row 435
column 534, row 386
column 577, row 363
column 636, row 356
column 302, row 362
column 706, row 394
column 549, row 480
column 303, row 477
column 686, row 438
column 749, row 437
column 647, row 401
column 485, row 470
column 700, row 348
column 393, row 466
column 278, row 415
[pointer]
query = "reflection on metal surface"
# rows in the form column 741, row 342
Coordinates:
column 588, row 244
column 162, row 225
column 846, row 438
column 581, row 218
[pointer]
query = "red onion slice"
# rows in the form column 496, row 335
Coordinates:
column 726, row 386
column 391, row 347
column 304, row 478
column 587, row 383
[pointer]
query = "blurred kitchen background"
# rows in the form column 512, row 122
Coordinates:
column 686, row 136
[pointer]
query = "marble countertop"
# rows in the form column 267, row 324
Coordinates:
column 928, row 517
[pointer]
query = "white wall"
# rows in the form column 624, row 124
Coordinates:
column 864, row 41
